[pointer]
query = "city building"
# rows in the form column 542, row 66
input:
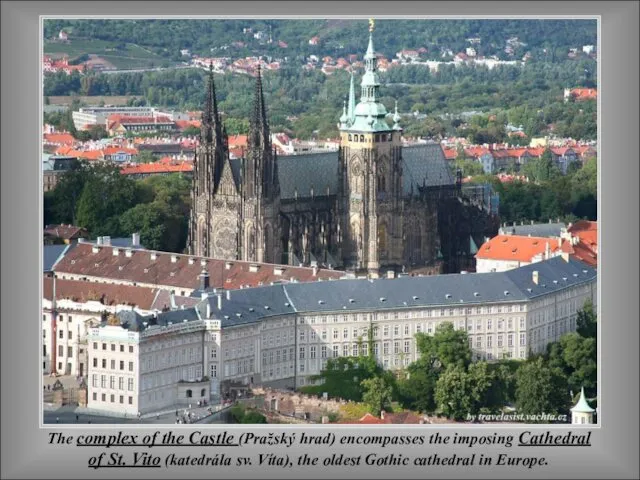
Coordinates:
column 520, row 245
column 506, row 252
column 65, row 233
column 53, row 167
column 104, row 263
column 88, row 116
column 371, row 207
column 549, row 230
column 71, row 307
column 580, row 94
column 280, row 336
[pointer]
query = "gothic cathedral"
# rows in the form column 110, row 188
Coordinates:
column 371, row 208
column 231, row 217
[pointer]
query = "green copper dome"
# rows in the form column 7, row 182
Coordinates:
column 369, row 115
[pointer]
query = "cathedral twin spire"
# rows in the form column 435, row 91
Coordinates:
column 261, row 170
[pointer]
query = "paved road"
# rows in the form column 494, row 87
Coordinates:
column 67, row 415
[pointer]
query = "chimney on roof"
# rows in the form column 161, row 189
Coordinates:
column 315, row 270
column 550, row 221
column 204, row 280
column 228, row 294
column 154, row 256
column 219, row 295
column 174, row 258
column 535, row 277
column 99, row 241
column 559, row 242
column 547, row 251
column 128, row 252
column 382, row 415
column 172, row 300
column 391, row 274
column 228, row 265
column 106, row 240
column 115, row 251
column 191, row 261
column 531, row 222
column 135, row 240
column 95, row 249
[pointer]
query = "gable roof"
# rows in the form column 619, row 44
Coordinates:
column 444, row 291
column 140, row 267
column 105, row 293
column 51, row 254
column 534, row 230
column 66, row 232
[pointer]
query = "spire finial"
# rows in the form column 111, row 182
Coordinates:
column 372, row 25
column 396, row 118
column 352, row 99
column 344, row 117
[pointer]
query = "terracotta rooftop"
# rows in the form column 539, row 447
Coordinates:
column 512, row 247
column 178, row 270
column 158, row 167
column 107, row 294
column 65, row 231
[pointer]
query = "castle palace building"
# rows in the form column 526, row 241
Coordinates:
column 373, row 207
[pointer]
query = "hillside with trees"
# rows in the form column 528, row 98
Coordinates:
column 548, row 38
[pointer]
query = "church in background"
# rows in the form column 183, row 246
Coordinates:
column 374, row 207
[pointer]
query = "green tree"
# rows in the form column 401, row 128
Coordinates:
column 447, row 346
column 541, row 389
column 342, row 377
column 67, row 192
column 191, row 131
column 587, row 321
column 376, row 394
column 416, row 391
column 453, row 393
column 542, row 169
column 105, row 196
column 145, row 156
column 159, row 227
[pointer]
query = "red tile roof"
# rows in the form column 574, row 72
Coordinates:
column 106, row 293
column 584, row 93
column 66, row 232
column 142, row 269
column 114, row 150
column 237, row 141
column 514, row 247
column 450, row 153
column 157, row 167
column 59, row 138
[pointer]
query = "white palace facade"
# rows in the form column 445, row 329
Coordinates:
column 283, row 334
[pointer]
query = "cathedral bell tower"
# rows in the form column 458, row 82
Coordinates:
column 260, row 190
column 214, row 198
column 370, row 177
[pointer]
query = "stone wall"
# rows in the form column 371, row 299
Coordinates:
column 294, row 404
